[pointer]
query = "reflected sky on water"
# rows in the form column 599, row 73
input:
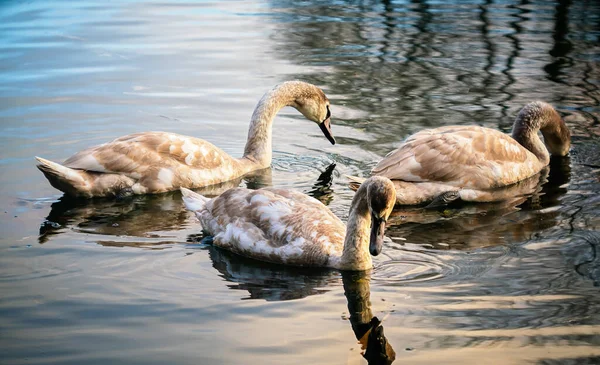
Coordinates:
column 130, row 281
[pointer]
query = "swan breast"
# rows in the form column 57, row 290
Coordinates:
column 462, row 156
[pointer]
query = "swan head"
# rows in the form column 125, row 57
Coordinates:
column 542, row 116
column 381, row 197
column 557, row 136
column 314, row 105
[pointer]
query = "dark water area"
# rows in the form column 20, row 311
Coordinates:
column 131, row 281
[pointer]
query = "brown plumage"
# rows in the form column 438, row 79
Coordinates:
column 291, row 228
column 470, row 162
column 155, row 162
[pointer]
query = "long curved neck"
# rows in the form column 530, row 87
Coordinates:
column 258, row 148
column 529, row 139
column 356, row 255
column 539, row 116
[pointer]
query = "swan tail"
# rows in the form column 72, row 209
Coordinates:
column 355, row 181
column 85, row 184
column 65, row 179
column 192, row 200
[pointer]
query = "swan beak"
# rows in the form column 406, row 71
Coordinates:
column 377, row 231
column 326, row 128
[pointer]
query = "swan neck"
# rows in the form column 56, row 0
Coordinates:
column 258, row 150
column 531, row 141
column 356, row 255
column 531, row 119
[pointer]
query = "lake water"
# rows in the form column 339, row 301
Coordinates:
column 128, row 282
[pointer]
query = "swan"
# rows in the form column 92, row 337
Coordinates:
column 472, row 163
column 291, row 228
column 156, row 162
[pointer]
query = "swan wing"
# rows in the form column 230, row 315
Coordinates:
column 308, row 201
column 474, row 157
column 135, row 153
column 274, row 225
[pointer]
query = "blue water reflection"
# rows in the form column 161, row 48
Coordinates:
column 127, row 282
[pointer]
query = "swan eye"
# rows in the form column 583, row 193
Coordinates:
column 328, row 113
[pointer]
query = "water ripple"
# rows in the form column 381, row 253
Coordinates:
column 410, row 270
column 511, row 279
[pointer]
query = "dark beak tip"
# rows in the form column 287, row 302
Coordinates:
column 326, row 129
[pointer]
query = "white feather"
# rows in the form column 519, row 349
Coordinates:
column 192, row 200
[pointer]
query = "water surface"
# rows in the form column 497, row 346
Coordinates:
column 129, row 282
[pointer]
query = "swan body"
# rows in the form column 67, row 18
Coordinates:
column 156, row 162
column 291, row 228
column 474, row 163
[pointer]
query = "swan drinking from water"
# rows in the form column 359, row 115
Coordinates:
column 473, row 163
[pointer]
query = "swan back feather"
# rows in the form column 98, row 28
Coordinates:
column 273, row 225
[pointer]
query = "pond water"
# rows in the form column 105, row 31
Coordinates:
column 129, row 282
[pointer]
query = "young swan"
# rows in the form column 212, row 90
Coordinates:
column 473, row 163
column 156, row 162
column 291, row 228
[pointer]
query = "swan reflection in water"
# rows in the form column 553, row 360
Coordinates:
column 268, row 281
column 367, row 328
column 277, row 282
column 531, row 206
column 138, row 216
